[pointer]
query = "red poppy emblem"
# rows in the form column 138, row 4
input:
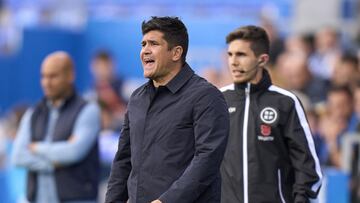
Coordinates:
column 265, row 130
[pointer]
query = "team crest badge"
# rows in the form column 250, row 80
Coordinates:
column 268, row 115
column 265, row 130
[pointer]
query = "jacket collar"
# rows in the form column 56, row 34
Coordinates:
column 264, row 83
column 179, row 80
column 64, row 102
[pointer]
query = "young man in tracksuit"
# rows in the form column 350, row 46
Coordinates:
column 270, row 156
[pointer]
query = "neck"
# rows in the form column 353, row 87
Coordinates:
column 56, row 102
column 162, row 81
column 258, row 76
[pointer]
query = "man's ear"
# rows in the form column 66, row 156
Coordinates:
column 263, row 59
column 177, row 53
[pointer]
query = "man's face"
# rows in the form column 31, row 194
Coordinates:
column 343, row 73
column 102, row 69
column 55, row 80
column 339, row 104
column 357, row 100
column 155, row 56
column 243, row 63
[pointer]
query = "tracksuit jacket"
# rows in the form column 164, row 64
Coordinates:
column 270, row 156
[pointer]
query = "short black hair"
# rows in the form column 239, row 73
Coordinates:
column 174, row 30
column 257, row 36
column 340, row 88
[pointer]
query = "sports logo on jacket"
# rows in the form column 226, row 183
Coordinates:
column 232, row 109
column 265, row 131
column 268, row 115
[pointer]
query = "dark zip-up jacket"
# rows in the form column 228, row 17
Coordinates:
column 270, row 156
column 172, row 143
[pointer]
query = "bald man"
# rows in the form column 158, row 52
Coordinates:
column 57, row 139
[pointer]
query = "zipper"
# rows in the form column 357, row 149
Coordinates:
column 279, row 185
column 245, row 149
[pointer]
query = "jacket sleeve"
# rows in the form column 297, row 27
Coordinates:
column 303, row 156
column 85, row 135
column 121, row 167
column 21, row 155
column 211, row 129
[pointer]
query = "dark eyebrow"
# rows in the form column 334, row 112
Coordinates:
column 237, row 53
column 240, row 53
column 150, row 41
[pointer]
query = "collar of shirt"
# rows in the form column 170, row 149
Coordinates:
column 51, row 106
column 63, row 103
column 264, row 83
column 178, row 81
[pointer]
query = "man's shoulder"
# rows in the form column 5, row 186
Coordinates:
column 200, row 90
column 40, row 103
column 281, row 92
column 138, row 95
column 287, row 98
column 198, row 85
column 229, row 91
column 139, row 90
column 28, row 114
column 91, row 107
column 226, row 88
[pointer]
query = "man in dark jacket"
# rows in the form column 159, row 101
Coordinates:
column 175, row 130
column 270, row 155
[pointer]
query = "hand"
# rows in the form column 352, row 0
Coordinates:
column 32, row 147
column 71, row 138
column 156, row 201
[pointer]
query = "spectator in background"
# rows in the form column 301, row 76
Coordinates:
column 346, row 71
column 57, row 139
column 327, row 52
column 356, row 96
column 15, row 176
column 108, row 91
column 294, row 45
column 320, row 145
column 4, row 190
column 336, row 120
column 293, row 68
column 276, row 41
column 355, row 169
column 10, row 35
column 212, row 75
column 299, row 44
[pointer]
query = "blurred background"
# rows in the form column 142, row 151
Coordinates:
column 315, row 52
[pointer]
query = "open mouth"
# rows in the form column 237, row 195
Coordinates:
column 148, row 61
column 238, row 71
